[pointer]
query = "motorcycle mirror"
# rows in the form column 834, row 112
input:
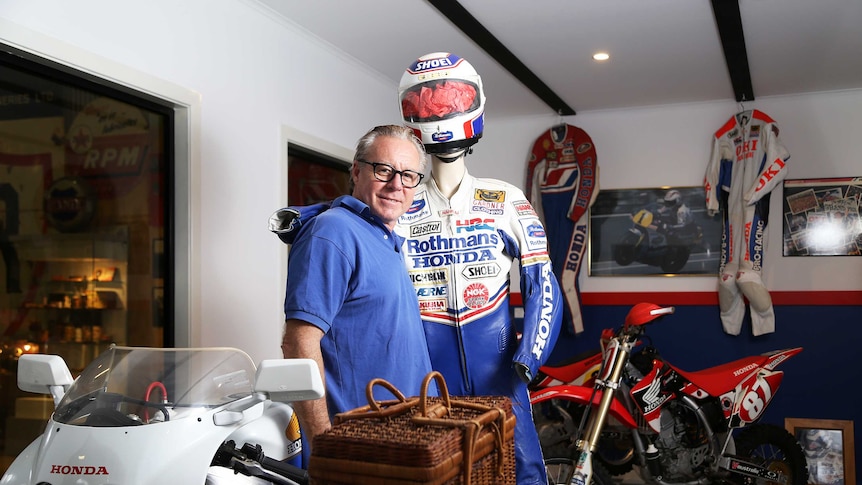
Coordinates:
column 44, row 374
column 287, row 380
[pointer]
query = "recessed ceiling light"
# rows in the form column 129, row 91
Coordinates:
column 601, row 56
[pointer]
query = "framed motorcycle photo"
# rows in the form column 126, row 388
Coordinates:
column 821, row 217
column 828, row 448
column 662, row 231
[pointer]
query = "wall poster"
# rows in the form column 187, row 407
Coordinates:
column 821, row 217
column 661, row 231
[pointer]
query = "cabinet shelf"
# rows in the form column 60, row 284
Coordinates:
column 110, row 244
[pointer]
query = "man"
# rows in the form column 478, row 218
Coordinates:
column 349, row 303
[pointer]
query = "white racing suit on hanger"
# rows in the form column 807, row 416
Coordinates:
column 747, row 162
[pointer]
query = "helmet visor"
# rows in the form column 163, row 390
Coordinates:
column 439, row 100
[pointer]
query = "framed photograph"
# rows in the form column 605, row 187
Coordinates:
column 661, row 231
column 828, row 447
column 821, row 217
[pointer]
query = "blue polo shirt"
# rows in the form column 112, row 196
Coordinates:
column 346, row 275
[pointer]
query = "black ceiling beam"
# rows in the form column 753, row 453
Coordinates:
column 729, row 22
column 468, row 24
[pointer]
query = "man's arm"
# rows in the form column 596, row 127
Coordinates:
column 302, row 340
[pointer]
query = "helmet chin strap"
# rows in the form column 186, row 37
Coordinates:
column 453, row 156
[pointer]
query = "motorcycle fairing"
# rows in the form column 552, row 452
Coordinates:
column 656, row 388
column 69, row 454
column 579, row 370
column 723, row 378
column 581, row 395
column 753, row 395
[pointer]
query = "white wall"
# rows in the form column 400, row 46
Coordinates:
column 261, row 81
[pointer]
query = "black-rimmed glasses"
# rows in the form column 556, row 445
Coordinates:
column 385, row 173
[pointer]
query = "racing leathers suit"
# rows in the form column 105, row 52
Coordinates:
column 563, row 182
column 459, row 253
column 748, row 160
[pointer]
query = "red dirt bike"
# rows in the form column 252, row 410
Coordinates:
column 680, row 427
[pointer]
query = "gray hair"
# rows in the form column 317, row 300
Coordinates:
column 394, row 131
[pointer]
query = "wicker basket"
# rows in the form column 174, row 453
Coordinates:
column 447, row 440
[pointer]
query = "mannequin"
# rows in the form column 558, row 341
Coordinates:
column 463, row 236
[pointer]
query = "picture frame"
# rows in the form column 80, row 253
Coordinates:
column 633, row 233
column 821, row 217
column 829, row 449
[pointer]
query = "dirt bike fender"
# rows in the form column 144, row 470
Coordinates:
column 753, row 395
column 581, row 395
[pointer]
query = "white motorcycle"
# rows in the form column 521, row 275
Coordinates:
column 152, row 415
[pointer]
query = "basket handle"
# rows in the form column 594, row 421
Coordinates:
column 423, row 393
column 378, row 409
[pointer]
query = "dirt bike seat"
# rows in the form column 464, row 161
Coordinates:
column 722, row 378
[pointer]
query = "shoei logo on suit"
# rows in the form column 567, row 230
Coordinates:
column 418, row 210
column 475, row 271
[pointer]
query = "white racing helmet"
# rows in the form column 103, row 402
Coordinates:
column 442, row 100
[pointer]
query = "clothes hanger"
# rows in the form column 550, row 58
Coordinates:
column 558, row 131
column 743, row 115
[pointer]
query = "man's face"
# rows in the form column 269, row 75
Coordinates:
column 387, row 200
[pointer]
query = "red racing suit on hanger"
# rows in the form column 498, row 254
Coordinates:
column 748, row 160
column 562, row 183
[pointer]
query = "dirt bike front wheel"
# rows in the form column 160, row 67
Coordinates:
column 775, row 448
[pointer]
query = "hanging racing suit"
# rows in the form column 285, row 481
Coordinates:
column 748, row 160
column 563, row 182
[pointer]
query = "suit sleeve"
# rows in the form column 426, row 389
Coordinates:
column 539, row 288
column 773, row 169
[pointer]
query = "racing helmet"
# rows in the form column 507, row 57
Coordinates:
column 442, row 100
column 817, row 443
column 672, row 199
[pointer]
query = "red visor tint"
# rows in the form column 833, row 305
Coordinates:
column 438, row 101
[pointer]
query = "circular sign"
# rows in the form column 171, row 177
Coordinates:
column 476, row 295
column 69, row 204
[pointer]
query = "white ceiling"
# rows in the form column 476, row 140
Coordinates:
column 662, row 51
